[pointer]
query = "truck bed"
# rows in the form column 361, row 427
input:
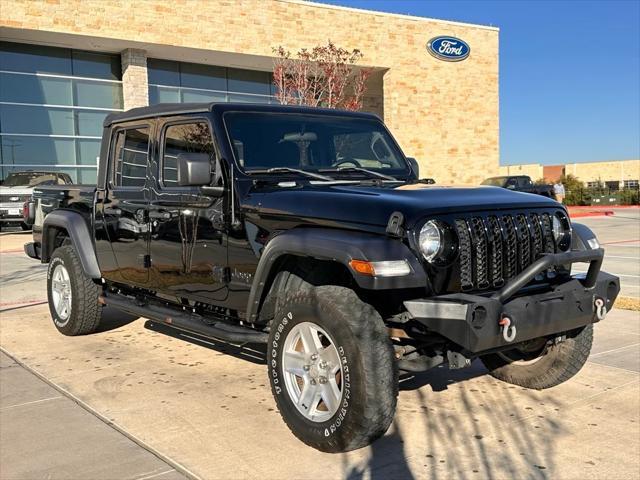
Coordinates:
column 48, row 198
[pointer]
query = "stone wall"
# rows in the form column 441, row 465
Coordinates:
column 445, row 114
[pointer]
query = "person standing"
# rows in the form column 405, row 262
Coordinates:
column 558, row 191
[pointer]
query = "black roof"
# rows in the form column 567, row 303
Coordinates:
column 166, row 109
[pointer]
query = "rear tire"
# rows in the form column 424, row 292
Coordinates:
column 72, row 295
column 556, row 364
column 361, row 373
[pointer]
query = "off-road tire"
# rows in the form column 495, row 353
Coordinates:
column 86, row 312
column 558, row 364
column 25, row 226
column 368, row 403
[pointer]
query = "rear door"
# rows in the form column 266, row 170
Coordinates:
column 125, row 204
column 188, row 242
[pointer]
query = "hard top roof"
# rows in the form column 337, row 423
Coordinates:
column 171, row 109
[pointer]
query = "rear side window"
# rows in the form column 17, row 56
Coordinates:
column 183, row 138
column 131, row 154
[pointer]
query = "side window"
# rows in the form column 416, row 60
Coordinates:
column 183, row 138
column 131, row 154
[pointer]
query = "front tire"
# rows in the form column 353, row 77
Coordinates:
column 332, row 369
column 555, row 364
column 72, row 295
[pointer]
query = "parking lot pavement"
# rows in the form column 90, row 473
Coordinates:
column 207, row 407
column 44, row 434
column 620, row 236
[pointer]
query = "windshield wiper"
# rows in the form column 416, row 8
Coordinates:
column 360, row 169
column 292, row 170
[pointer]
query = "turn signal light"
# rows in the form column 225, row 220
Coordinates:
column 393, row 268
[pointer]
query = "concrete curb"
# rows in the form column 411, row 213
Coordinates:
column 177, row 466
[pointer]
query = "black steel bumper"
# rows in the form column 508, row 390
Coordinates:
column 473, row 321
column 32, row 250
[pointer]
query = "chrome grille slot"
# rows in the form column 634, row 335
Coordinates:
column 524, row 241
column 495, row 240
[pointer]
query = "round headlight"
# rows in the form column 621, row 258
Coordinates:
column 561, row 232
column 430, row 240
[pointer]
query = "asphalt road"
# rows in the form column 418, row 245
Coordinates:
column 620, row 236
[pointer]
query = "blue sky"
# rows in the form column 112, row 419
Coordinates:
column 569, row 73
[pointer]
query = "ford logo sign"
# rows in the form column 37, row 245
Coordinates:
column 449, row 49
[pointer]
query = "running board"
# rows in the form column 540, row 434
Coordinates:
column 189, row 322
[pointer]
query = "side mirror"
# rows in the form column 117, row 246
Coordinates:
column 413, row 163
column 194, row 169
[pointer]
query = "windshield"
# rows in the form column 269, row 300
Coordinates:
column 309, row 142
column 31, row 179
column 495, row 181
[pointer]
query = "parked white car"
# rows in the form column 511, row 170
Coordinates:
column 18, row 187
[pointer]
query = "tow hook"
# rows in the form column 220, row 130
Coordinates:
column 508, row 330
column 600, row 308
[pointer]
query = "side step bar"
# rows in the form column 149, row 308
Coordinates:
column 189, row 322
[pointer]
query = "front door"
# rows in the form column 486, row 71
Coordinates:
column 188, row 243
column 126, row 202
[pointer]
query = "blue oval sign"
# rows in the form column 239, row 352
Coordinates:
column 450, row 49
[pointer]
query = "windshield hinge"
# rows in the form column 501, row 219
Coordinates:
column 395, row 225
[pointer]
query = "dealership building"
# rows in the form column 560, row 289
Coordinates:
column 64, row 65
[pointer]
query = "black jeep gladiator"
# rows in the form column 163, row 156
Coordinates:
column 308, row 230
column 521, row 183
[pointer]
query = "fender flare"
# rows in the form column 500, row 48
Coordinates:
column 339, row 246
column 76, row 226
column 581, row 234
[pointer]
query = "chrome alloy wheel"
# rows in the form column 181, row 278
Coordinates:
column 61, row 292
column 312, row 372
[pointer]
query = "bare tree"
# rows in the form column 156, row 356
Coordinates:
column 324, row 76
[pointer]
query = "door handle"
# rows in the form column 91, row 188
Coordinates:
column 112, row 211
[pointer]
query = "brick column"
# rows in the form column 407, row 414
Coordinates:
column 135, row 84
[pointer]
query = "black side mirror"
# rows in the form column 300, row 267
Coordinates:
column 194, row 169
column 413, row 163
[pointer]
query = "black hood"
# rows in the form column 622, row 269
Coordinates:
column 373, row 205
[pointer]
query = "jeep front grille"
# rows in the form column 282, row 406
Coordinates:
column 495, row 248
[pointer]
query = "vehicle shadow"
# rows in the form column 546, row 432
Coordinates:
column 112, row 319
column 453, row 424
column 253, row 353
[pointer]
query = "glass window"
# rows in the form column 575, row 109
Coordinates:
column 209, row 77
column 89, row 122
column 202, row 96
column 21, row 57
column 183, row 138
column 131, row 155
column 631, row 184
column 98, row 94
column 163, row 72
column 88, row 151
column 36, row 120
column 312, row 142
column 38, row 150
column 163, row 94
column 32, row 89
column 249, row 81
column 190, row 82
column 96, row 65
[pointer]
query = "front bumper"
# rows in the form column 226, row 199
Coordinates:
column 11, row 212
column 473, row 321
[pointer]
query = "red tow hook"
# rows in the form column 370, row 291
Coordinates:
column 508, row 330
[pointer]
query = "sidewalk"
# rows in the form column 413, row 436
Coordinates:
column 45, row 434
